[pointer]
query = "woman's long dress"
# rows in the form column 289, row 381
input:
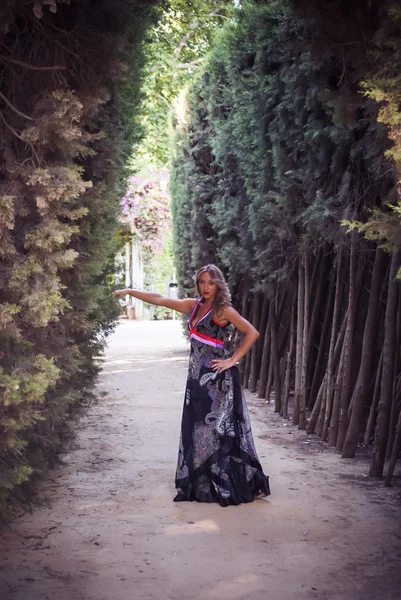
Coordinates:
column 217, row 460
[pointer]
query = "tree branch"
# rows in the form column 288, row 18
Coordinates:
column 191, row 65
column 13, row 131
column 186, row 37
column 29, row 66
column 21, row 114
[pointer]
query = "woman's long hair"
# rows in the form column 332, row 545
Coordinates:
column 222, row 298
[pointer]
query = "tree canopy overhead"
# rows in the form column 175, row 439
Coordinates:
column 175, row 49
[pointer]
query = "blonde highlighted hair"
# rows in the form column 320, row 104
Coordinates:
column 222, row 298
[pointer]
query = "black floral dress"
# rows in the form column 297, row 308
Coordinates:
column 217, row 460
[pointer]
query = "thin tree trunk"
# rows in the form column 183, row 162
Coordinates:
column 393, row 421
column 320, row 419
column 317, row 375
column 375, row 401
column 254, row 318
column 303, row 399
column 333, row 336
column 386, row 389
column 317, row 409
column 283, row 364
column 394, row 403
column 362, row 387
column 290, row 355
column 269, row 384
column 336, row 358
column 275, row 358
column 299, row 346
column 333, row 430
column 336, row 365
column 258, row 347
column 282, row 326
column 265, row 364
column 316, row 300
column 244, row 313
column 349, row 335
column 395, row 453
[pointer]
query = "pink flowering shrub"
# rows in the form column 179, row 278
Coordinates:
column 145, row 211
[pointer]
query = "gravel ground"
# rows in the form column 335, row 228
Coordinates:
column 109, row 530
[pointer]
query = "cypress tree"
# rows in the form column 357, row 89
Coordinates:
column 68, row 121
column 299, row 155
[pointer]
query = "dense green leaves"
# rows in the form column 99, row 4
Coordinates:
column 71, row 77
column 273, row 150
column 278, row 153
column 175, row 49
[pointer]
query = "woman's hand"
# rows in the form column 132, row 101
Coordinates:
column 222, row 365
column 119, row 293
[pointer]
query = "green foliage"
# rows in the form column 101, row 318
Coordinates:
column 277, row 153
column 273, row 151
column 383, row 84
column 174, row 51
column 67, row 128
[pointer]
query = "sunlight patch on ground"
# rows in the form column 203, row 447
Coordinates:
column 142, row 359
column 137, row 370
column 189, row 528
column 234, row 588
column 139, row 359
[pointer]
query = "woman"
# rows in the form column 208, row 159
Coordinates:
column 217, row 460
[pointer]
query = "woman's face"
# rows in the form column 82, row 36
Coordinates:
column 207, row 288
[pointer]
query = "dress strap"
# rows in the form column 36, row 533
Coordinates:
column 192, row 313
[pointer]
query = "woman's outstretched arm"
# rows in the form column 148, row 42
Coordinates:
column 184, row 306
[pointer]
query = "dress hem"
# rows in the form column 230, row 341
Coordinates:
column 235, row 491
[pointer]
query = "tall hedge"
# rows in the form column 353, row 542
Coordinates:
column 71, row 76
column 284, row 174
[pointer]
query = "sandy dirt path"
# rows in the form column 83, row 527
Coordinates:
column 110, row 530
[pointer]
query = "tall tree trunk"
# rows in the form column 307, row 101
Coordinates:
column 244, row 313
column 394, row 402
column 362, row 387
column 320, row 414
column 299, row 346
column 275, row 358
column 395, row 453
column 386, row 389
column 290, row 355
column 317, row 409
column 259, row 322
column 265, row 364
column 393, row 420
column 282, row 338
column 349, row 335
column 316, row 300
column 318, row 374
column 305, row 349
column 283, row 364
column 322, row 401
column 333, row 429
column 333, row 337
column 375, row 401
column 255, row 316
column 338, row 352
column 269, row 384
